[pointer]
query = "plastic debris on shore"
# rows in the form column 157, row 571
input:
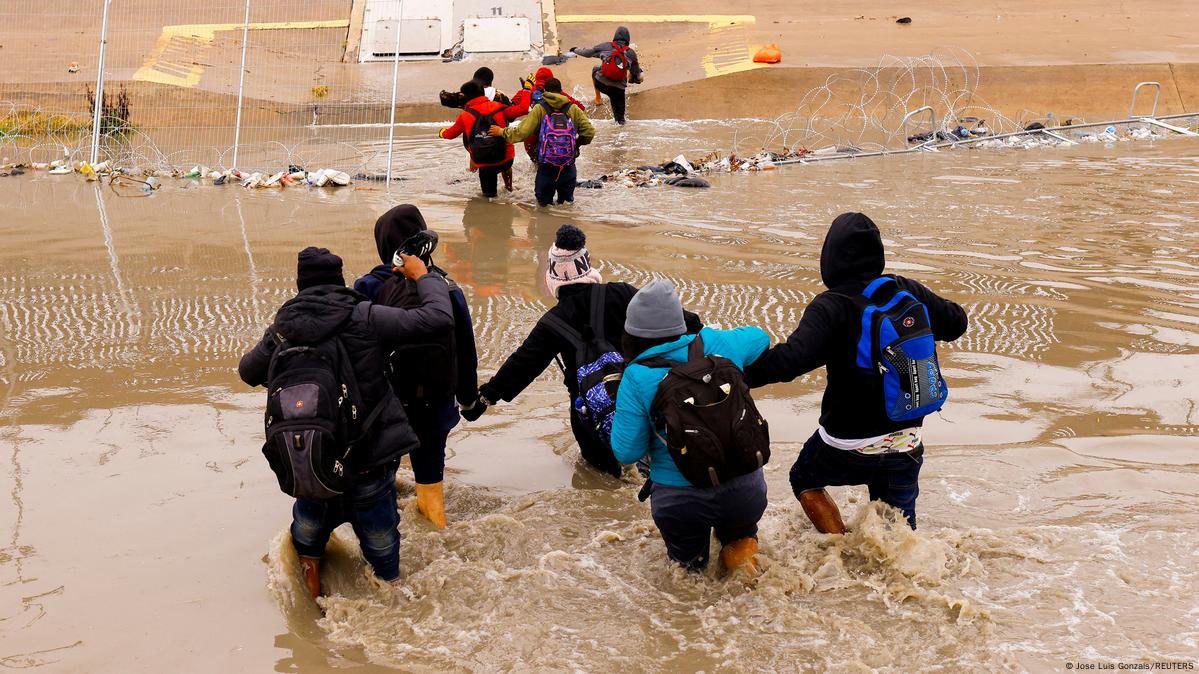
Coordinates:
column 150, row 179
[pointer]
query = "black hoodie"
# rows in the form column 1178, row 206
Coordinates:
column 382, row 285
column 320, row 311
column 827, row 335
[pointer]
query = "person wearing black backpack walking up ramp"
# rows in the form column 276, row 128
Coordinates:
column 427, row 374
column 876, row 336
column 335, row 431
column 582, row 332
column 492, row 156
column 618, row 68
column 560, row 127
column 684, row 403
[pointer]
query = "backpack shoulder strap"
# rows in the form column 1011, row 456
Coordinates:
column 473, row 113
column 564, row 330
column 598, row 291
column 874, row 285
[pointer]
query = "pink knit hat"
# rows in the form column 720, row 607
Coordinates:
column 569, row 261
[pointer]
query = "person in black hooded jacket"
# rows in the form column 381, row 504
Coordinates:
column 429, row 374
column 325, row 307
column 569, row 278
column 856, row 442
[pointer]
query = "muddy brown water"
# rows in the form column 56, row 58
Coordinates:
column 142, row 530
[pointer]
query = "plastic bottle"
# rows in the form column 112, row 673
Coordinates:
column 150, row 185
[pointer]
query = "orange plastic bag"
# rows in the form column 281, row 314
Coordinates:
column 768, row 54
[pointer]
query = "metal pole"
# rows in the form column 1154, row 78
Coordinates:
column 99, row 103
column 241, row 84
column 395, row 75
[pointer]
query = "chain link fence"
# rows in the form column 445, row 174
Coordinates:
column 162, row 85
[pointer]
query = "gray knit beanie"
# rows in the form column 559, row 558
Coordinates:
column 656, row 311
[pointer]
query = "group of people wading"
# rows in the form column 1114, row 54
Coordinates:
column 359, row 376
column 553, row 125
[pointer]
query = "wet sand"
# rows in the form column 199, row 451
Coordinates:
column 145, row 532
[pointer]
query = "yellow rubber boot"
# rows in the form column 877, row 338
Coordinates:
column 741, row 553
column 430, row 502
column 311, row 568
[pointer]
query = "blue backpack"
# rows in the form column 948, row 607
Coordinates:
column 897, row 343
column 599, row 368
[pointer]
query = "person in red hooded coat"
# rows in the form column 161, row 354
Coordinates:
column 479, row 107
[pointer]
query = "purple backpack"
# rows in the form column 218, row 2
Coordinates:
column 557, row 142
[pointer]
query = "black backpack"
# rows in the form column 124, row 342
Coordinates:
column 599, row 368
column 484, row 147
column 424, row 371
column 313, row 418
column 714, row 431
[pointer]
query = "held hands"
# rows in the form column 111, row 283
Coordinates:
column 474, row 410
column 413, row 267
column 495, row 131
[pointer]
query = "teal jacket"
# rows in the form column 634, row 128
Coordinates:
column 633, row 434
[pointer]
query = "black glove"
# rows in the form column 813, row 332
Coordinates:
column 473, row 411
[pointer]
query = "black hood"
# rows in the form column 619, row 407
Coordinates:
column 314, row 314
column 853, row 251
column 622, row 36
column 395, row 227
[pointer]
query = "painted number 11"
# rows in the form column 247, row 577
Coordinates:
column 497, row 11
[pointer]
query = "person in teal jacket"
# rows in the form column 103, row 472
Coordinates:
column 684, row 513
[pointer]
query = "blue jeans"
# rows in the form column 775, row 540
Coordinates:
column 370, row 507
column 432, row 425
column 686, row 516
column 551, row 179
column 893, row 478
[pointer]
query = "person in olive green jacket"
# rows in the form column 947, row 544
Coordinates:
column 559, row 137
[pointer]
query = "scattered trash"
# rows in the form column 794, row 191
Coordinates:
column 768, row 54
column 590, row 184
column 61, row 170
column 904, row 19
column 73, row 68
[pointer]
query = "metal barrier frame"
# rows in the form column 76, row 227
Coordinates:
column 1156, row 97
column 932, row 123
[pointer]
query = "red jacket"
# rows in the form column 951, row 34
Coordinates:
column 466, row 122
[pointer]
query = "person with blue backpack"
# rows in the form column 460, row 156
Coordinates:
column 684, row 403
column 582, row 333
column 876, row 336
column 561, row 127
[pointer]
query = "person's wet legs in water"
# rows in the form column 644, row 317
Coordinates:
column 869, row 433
column 619, row 67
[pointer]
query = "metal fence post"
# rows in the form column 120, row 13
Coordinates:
column 395, row 75
column 241, row 84
column 98, row 108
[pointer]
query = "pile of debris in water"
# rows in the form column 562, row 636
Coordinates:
column 682, row 172
column 149, row 179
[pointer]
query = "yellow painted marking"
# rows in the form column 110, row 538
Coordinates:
column 199, row 36
column 713, row 20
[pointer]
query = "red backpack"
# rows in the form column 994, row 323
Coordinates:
column 615, row 65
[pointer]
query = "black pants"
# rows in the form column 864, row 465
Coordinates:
column 432, row 425
column 489, row 178
column 616, row 94
column 594, row 452
column 686, row 516
column 551, row 179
